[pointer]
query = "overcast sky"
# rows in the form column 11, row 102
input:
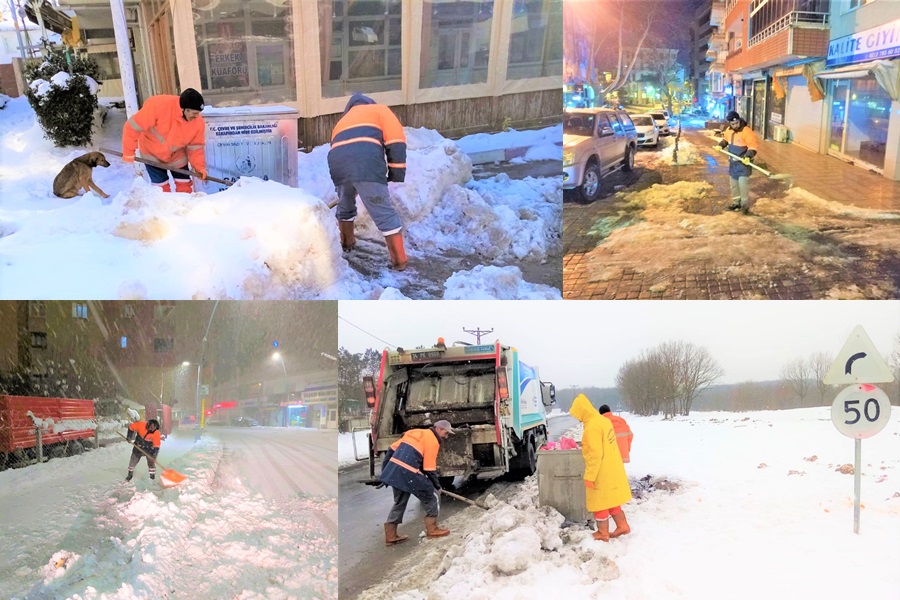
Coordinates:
column 585, row 342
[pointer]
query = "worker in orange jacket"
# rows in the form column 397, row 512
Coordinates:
column 148, row 438
column 623, row 432
column 368, row 149
column 168, row 130
column 739, row 141
column 410, row 467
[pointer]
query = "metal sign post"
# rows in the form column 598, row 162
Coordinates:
column 862, row 410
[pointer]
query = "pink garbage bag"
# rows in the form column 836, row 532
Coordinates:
column 550, row 446
column 567, row 444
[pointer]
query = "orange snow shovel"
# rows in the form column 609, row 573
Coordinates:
column 170, row 474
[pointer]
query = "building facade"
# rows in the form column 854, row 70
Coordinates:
column 708, row 50
column 455, row 66
column 861, row 80
column 771, row 47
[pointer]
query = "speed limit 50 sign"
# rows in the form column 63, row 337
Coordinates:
column 860, row 411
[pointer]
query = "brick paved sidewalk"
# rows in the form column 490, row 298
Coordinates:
column 831, row 254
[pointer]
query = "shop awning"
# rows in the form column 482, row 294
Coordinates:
column 886, row 72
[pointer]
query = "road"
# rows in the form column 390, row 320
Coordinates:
column 362, row 555
column 247, row 492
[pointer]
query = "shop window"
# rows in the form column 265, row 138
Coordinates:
column 860, row 117
column 79, row 310
column 246, row 52
column 456, row 43
column 535, row 44
column 163, row 344
column 360, row 46
column 38, row 308
column 39, row 340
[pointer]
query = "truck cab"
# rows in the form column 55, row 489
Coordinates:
column 495, row 402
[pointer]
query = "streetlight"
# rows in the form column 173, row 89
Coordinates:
column 277, row 356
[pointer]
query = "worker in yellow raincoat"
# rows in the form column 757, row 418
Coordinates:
column 604, row 472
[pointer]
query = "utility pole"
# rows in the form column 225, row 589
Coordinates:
column 478, row 333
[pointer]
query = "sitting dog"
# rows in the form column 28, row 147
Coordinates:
column 77, row 175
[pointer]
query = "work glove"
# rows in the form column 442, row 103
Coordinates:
column 746, row 160
column 751, row 154
column 379, row 485
column 203, row 174
column 723, row 144
column 589, row 484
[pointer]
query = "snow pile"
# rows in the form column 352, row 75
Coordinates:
column 3, row 100
column 496, row 283
column 135, row 415
column 787, row 519
column 346, row 455
column 109, row 425
column 74, row 425
column 256, row 240
column 261, row 551
column 543, row 144
column 59, row 563
column 687, row 152
column 41, row 87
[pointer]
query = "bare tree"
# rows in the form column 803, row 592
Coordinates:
column 664, row 68
column 588, row 30
column 667, row 379
column 818, row 366
column 796, row 374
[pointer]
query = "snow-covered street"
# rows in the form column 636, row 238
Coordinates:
column 761, row 510
column 256, row 518
column 495, row 237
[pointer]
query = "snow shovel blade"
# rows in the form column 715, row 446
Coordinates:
column 464, row 499
column 170, row 474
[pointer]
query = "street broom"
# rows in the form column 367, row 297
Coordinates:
column 777, row 176
column 169, row 474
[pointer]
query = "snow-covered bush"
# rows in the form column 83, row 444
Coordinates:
column 62, row 90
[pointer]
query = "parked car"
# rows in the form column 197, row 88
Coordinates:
column 647, row 131
column 596, row 142
column 245, row 422
column 661, row 121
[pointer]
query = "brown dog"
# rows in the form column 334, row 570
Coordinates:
column 77, row 175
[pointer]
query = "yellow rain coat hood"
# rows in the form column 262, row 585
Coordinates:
column 602, row 462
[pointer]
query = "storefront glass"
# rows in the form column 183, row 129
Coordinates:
column 868, row 114
column 456, row 42
column 535, row 43
column 246, row 51
column 360, row 44
column 860, row 115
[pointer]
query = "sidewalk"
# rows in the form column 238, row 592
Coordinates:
column 831, row 178
column 682, row 243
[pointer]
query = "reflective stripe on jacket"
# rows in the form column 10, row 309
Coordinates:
column 149, row 442
column 367, row 144
column 408, row 457
column 623, row 435
column 738, row 143
column 162, row 134
column 602, row 462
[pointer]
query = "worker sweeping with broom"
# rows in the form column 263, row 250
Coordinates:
column 147, row 440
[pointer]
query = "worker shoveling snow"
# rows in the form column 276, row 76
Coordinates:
column 258, row 239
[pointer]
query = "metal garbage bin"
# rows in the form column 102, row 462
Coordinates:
column 251, row 141
column 561, row 483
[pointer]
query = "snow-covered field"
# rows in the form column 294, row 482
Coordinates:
column 762, row 511
column 260, row 239
column 72, row 528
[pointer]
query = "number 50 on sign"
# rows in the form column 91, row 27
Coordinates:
column 860, row 411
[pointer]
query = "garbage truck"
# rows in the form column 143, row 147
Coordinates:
column 495, row 402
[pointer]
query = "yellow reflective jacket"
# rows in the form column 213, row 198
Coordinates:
column 602, row 462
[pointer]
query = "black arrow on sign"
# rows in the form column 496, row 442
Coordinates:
column 850, row 360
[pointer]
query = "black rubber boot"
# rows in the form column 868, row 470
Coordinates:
column 129, row 476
